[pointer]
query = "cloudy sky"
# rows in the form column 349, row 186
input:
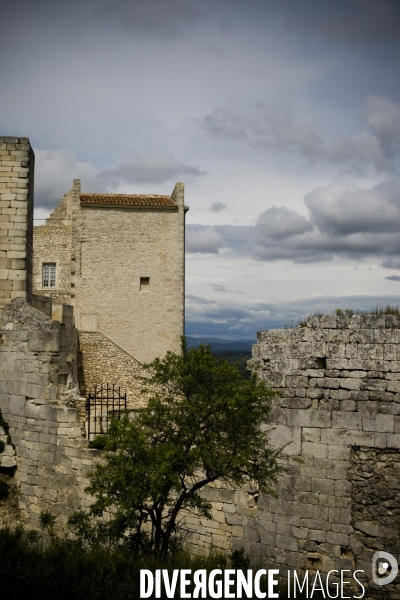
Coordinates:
column 282, row 117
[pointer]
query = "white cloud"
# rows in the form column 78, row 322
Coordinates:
column 347, row 208
column 278, row 223
column 203, row 239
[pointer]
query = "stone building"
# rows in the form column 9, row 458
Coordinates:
column 118, row 259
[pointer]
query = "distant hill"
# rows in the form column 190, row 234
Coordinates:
column 235, row 352
column 221, row 346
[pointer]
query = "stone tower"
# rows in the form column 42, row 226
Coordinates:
column 17, row 162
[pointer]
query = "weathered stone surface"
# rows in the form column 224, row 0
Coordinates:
column 346, row 492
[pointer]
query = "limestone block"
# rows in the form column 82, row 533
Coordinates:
column 328, row 322
column 329, row 382
column 350, row 383
column 286, row 543
column 378, row 423
column 350, row 420
column 348, row 437
column 282, row 435
column 393, row 386
column 393, row 440
column 310, row 434
column 317, row 450
column 7, row 458
column 309, row 418
column 335, row 350
column 362, row 336
column 368, row 527
column 66, row 415
column 339, row 515
column 322, row 486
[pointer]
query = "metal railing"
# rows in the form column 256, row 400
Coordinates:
column 102, row 402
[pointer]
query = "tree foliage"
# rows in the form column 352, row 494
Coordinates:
column 203, row 422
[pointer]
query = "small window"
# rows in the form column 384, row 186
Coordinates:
column 144, row 283
column 49, row 275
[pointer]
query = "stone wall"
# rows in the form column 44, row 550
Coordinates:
column 40, row 400
column 16, row 218
column 101, row 361
column 53, row 244
column 338, row 409
column 119, row 246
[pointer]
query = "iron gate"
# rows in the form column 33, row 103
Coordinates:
column 103, row 401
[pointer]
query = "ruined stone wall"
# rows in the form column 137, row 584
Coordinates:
column 40, row 401
column 53, row 244
column 101, row 361
column 338, row 409
column 16, row 218
column 62, row 214
column 119, row 246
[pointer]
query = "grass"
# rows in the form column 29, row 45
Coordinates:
column 388, row 309
column 63, row 570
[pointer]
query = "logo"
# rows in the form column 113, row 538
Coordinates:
column 384, row 568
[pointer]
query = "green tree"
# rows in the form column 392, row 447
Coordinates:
column 204, row 421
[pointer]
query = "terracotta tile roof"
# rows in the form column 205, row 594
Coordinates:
column 128, row 200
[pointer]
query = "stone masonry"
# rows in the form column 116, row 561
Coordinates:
column 119, row 260
column 338, row 409
column 17, row 163
column 102, row 361
column 40, row 400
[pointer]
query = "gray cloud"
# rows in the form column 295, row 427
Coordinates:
column 393, row 278
column 383, row 117
column 354, row 22
column 277, row 223
column 166, row 19
column 275, row 127
column 344, row 221
column 217, row 207
column 55, row 170
column 347, row 209
column 271, row 126
column 156, row 168
column 231, row 318
column 391, row 263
